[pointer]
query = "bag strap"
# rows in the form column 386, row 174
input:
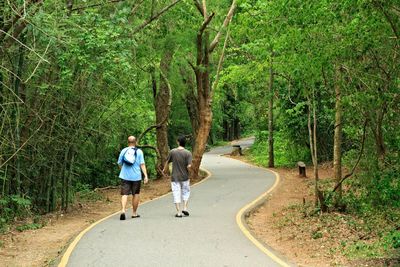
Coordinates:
column 135, row 149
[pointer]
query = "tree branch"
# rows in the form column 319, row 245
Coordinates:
column 96, row 5
column 392, row 24
column 155, row 16
column 205, row 23
column 220, row 62
column 358, row 159
column 14, row 21
column 198, row 6
column 225, row 24
column 135, row 7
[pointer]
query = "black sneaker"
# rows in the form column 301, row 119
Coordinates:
column 178, row 215
column 185, row 212
column 122, row 216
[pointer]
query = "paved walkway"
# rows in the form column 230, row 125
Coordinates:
column 208, row 237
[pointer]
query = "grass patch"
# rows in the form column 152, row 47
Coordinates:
column 29, row 226
column 85, row 193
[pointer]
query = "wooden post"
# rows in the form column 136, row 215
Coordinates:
column 237, row 150
column 302, row 169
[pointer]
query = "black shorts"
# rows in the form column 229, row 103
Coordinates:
column 130, row 187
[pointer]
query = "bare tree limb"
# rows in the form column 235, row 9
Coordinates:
column 155, row 16
column 22, row 146
column 96, row 5
column 136, row 7
column 158, row 168
column 358, row 159
column 388, row 18
column 38, row 64
column 220, row 62
column 205, row 23
column 19, row 14
column 198, row 6
column 18, row 41
column 204, row 9
column 225, row 24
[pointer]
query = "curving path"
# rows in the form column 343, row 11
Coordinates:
column 209, row 237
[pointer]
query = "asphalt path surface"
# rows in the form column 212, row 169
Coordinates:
column 210, row 236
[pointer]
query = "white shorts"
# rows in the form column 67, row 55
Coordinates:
column 180, row 191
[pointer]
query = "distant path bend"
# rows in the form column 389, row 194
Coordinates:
column 210, row 236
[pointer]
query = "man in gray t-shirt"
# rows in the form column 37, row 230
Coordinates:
column 180, row 184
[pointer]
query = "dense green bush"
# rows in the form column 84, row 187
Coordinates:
column 287, row 152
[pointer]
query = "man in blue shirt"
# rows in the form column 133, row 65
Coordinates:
column 131, row 176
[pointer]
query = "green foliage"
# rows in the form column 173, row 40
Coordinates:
column 29, row 226
column 287, row 153
column 12, row 207
column 316, row 235
column 86, row 193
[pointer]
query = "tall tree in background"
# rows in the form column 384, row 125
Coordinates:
column 162, row 104
column 271, row 162
column 337, row 145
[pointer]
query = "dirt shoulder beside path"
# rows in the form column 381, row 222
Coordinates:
column 284, row 223
column 43, row 247
column 273, row 223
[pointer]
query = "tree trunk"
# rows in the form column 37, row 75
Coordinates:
column 191, row 102
column 271, row 161
column 203, row 84
column 201, row 139
column 379, row 141
column 337, row 145
column 69, row 178
column 163, row 106
column 17, row 86
column 312, row 131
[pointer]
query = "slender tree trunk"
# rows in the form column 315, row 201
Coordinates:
column 69, row 178
column 162, row 106
column 312, row 131
column 53, row 190
column 17, row 85
column 64, row 179
column 316, row 174
column 271, row 161
column 379, row 141
column 337, row 145
column 191, row 103
column 48, row 190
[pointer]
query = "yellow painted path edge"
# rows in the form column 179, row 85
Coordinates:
column 64, row 260
column 240, row 219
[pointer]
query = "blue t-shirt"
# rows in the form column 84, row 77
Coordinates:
column 132, row 172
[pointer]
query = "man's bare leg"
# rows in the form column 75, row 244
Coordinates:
column 124, row 200
column 185, row 205
column 178, row 209
column 135, row 204
column 185, row 208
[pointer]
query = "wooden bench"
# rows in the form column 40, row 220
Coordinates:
column 302, row 168
column 236, row 150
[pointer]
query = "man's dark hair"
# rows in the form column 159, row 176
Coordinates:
column 182, row 140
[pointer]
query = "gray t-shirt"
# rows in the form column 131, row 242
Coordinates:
column 180, row 159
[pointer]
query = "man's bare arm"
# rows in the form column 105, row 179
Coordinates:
column 144, row 170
